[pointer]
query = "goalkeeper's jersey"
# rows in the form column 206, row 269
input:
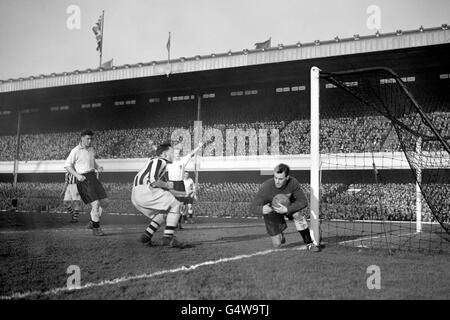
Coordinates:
column 268, row 190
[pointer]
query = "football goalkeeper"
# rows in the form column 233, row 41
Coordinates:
column 274, row 213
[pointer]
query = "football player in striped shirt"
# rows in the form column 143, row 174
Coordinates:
column 153, row 196
column 72, row 199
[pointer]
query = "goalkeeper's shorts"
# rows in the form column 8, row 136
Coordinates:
column 275, row 223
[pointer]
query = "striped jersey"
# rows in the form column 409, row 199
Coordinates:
column 154, row 170
column 70, row 179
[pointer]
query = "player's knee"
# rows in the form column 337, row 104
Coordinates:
column 95, row 204
column 158, row 218
column 175, row 206
column 104, row 203
column 276, row 244
column 276, row 241
column 300, row 221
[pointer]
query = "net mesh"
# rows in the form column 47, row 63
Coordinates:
column 372, row 128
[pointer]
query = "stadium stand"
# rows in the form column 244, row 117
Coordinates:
column 233, row 199
column 373, row 133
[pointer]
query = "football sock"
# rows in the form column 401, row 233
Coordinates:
column 306, row 236
column 154, row 225
column 96, row 224
column 171, row 224
column 151, row 229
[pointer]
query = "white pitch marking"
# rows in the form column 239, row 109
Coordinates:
column 367, row 238
column 218, row 226
column 146, row 275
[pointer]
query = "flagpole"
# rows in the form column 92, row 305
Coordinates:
column 101, row 44
column 168, row 50
column 168, row 56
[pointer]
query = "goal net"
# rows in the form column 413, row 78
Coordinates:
column 380, row 161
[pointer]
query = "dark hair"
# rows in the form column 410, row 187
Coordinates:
column 163, row 147
column 283, row 168
column 87, row 133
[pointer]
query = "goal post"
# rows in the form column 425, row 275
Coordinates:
column 315, row 156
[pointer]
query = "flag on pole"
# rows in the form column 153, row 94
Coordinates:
column 263, row 45
column 108, row 64
column 169, row 70
column 168, row 46
column 98, row 32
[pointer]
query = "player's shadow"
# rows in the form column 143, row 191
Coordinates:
column 242, row 238
column 293, row 245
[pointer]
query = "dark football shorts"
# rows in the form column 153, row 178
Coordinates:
column 179, row 186
column 91, row 189
column 187, row 200
column 275, row 223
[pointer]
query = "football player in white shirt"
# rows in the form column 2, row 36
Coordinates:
column 176, row 171
column 191, row 194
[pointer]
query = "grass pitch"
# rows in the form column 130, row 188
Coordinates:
column 228, row 259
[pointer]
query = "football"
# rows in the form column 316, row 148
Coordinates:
column 282, row 199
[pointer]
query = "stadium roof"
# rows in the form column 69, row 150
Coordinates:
column 281, row 53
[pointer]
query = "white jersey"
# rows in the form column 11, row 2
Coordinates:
column 176, row 168
column 189, row 186
column 81, row 159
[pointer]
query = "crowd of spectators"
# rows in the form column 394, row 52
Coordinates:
column 391, row 201
column 338, row 135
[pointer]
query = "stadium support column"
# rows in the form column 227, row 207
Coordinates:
column 315, row 156
column 16, row 156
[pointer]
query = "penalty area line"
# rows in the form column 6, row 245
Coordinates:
column 146, row 275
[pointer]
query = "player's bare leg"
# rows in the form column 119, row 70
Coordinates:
column 182, row 213
column 96, row 212
column 278, row 240
column 190, row 213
